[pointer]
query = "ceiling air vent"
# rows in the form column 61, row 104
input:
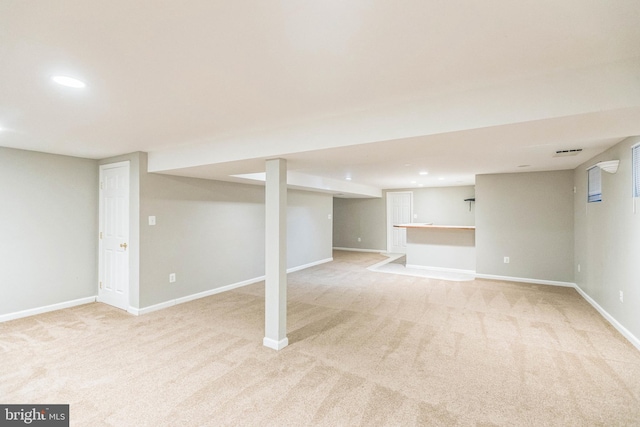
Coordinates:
column 566, row 153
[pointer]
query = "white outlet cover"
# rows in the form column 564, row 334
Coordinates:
column 152, row 220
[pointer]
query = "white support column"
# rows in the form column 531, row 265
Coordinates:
column 275, row 324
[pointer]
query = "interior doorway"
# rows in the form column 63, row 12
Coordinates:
column 399, row 211
column 113, row 247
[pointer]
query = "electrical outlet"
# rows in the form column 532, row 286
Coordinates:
column 172, row 278
column 578, row 268
column 359, row 239
column 506, row 260
column 152, row 220
column 621, row 296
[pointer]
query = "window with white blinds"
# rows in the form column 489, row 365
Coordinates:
column 635, row 162
column 594, row 185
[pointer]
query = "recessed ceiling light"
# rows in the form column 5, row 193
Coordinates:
column 413, row 182
column 348, row 178
column 68, row 81
column 424, row 173
column 420, row 185
column 441, row 178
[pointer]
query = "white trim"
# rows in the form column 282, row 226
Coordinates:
column 192, row 297
column 155, row 307
column 115, row 165
column 204, row 294
column 101, row 171
column 391, row 258
column 447, row 270
column 635, row 173
column 276, row 345
column 221, row 289
column 377, row 251
column 311, row 264
column 525, row 280
column 388, row 209
column 133, row 310
column 406, row 272
column 624, row 331
column 46, row 309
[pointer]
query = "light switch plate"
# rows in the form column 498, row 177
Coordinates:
column 152, row 220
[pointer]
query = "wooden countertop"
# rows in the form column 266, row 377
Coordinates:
column 424, row 225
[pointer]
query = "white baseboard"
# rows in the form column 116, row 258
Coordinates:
column 192, row 297
column 311, row 264
column 446, row 270
column 133, row 310
column 525, row 280
column 276, row 345
column 390, row 258
column 46, row 309
column 624, row 331
column 182, row 300
column 377, row 251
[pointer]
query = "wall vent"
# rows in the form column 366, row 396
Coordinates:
column 566, row 153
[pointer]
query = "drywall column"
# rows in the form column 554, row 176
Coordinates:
column 275, row 324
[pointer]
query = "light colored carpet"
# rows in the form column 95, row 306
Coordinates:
column 365, row 349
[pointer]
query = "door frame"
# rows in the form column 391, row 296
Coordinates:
column 101, row 266
column 389, row 215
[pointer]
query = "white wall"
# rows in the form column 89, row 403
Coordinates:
column 360, row 218
column 444, row 205
column 48, row 229
column 607, row 239
column 527, row 217
column 309, row 229
column 211, row 234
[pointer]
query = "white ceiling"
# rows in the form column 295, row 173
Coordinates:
column 375, row 90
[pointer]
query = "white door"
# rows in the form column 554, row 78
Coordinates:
column 114, row 235
column 399, row 211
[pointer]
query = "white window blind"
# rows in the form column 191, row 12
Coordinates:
column 594, row 185
column 635, row 162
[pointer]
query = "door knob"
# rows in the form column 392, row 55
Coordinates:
column 123, row 245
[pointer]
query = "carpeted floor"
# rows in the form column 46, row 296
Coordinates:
column 366, row 348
